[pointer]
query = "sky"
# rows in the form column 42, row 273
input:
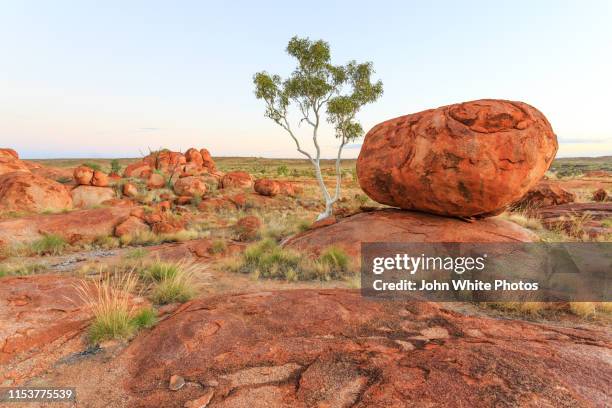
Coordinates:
column 117, row 78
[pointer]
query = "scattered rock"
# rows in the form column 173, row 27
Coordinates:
column 469, row 160
column 132, row 226
column 99, row 179
column 545, row 194
column 392, row 225
column 176, row 382
column 91, row 196
column 267, row 187
column 190, row 186
column 237, row 179
column 156, row 180
column 24, row 191
column 600, row 195
column 247, row 228
column 83, row 175
column 130, row 190
column 138, row 169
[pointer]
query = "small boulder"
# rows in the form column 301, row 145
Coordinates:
column 216, row 204
column 194, row 156
column 156, row 180
column 24, row 191
column 545, row 194
column 132, row 226
column 91, row 196
column 237, row 179
column 130, row 190
column 207, row 160
column 139, row 169
column 83, row 175
column 267, row 187
column 600, row 195
column 176, row 382
column 190, row 186
column 100, row 179
column 247, row 228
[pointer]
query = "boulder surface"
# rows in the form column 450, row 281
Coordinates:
column 468, row 159
column 24, row 191
column 392, row 225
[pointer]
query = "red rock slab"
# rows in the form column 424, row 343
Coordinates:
column 41, row 320
column 392, row 225
column 83, row 225
column 335, row 348
column 25, row 191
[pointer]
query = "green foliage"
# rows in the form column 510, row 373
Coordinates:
column 93, row 166
column 159, row 271
column 218, row 246
column 336, row 259
column 51, row 244
column 136, row 254
column 145, row 318
column 115, row 166
column 20, row 269
column 282, row 170
column 316, row 83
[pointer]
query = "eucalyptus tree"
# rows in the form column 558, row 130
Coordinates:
column 317, row 90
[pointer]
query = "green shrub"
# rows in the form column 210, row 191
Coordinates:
column 282, row 170
column 158, row 271
column 218, row 246
column 51, row 244
column 115, row 166
column 93, row 166
column 145, row 318
column 336, row 259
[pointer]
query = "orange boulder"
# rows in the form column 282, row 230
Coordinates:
column 9, row 164
column 83, row 175
column 600, row 195
column 193, row 156
column 247, row 228
column 100, row 179
column 267, row 187
column 468, row 159
column 132, row 226
column 190, row 186
column 91, row 196
column 156, row 181
column 8, row 153
column 207, row 160
column 130, row 190
column 237, row 179
column 24, row 191
column 139, row 169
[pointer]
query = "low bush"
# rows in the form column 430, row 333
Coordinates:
column 51, row 244
column 173, row 281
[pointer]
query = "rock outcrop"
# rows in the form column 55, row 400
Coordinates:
column 270, row 188
column 9, row 162
column 335, row 348
column 193, row 163
column 191, row 186
column 405, row 226
column 470, row 160
column 24, row 191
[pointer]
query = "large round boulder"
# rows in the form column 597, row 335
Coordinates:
column 24, row 191
column 190, row 187
column 392, row 225
column 237, row 179
column 468, row 159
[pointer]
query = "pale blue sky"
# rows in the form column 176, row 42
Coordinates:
column 113, row 78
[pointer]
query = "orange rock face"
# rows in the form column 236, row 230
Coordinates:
column 468, row 159
column 21, row 191
column 9, row 164
column 336, row 348
column 8, row 153
column 138, row 169
column 405, row 226
column 130, row 190
column 237, row 179
column 207, row 160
